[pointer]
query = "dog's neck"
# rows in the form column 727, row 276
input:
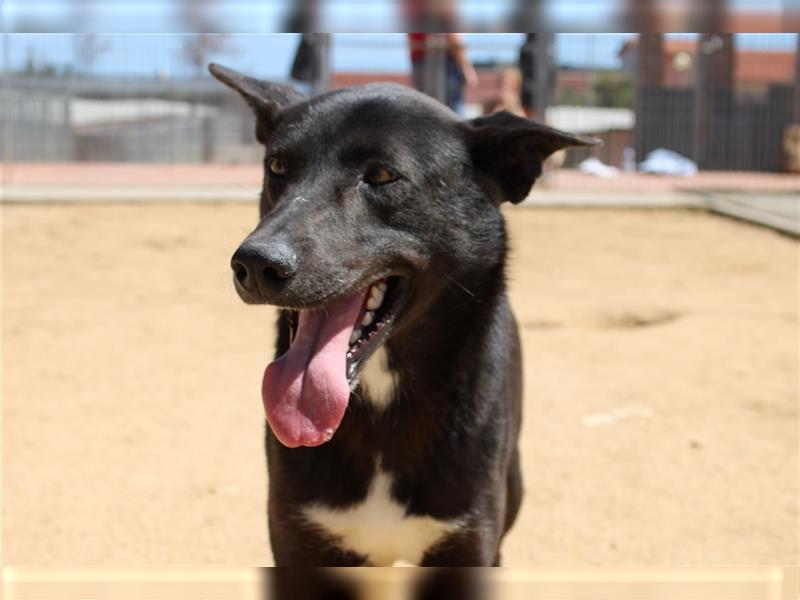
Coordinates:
column 437, row 351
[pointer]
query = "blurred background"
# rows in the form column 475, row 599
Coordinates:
column 660, row 338
column 725, row 102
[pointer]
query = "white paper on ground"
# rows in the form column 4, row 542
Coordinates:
column 618, row 414
column 667, row 162
column 594, row 166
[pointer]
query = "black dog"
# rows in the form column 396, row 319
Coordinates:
column 394, row 403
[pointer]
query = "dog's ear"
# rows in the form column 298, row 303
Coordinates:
column 266, row 99
column 508, row 151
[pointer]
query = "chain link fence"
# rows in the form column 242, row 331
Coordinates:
column 725, row 106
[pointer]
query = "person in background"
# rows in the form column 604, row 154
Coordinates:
column 312, row 64
column 447, row 85
column 312, row 61
column 509, row 88
column 537, row 66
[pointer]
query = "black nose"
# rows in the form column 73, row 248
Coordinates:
column 263, row 267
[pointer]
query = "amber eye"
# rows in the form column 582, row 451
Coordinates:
column 276, row 166
column 379, row 176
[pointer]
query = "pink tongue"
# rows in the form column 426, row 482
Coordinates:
column 305, row 391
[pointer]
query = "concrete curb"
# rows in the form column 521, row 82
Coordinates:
column 786, row 220
column 47, row 194
column 783, row 216
column 560, row 199
column 12, row 193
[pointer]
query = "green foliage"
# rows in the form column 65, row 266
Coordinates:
column 571, row 97
column 614, row 89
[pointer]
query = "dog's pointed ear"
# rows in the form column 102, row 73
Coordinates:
column 266, row 99
column 508, row 151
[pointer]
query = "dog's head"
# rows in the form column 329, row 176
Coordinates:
column 375, row 199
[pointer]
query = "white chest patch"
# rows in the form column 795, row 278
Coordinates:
column 379, row 528
column 378, row 380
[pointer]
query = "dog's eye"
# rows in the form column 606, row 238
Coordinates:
column 276, row 166
column 379, row 176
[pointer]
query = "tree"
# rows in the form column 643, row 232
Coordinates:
column 197, row 17
column 198, row 47
column 88, row 48
column 614, row 89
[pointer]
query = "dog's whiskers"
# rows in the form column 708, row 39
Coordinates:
column 460, row 285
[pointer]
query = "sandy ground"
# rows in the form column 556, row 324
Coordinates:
column 661, row 365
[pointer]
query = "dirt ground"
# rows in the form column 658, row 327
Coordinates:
column 661, row 366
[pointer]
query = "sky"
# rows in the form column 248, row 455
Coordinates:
column 270, row 55
column 267, row 15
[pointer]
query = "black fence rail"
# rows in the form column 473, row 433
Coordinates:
column 742, row 134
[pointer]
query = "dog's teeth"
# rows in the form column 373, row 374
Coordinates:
column 381, row 285
column 375, row 298
column 368, row 317
column 355, row 335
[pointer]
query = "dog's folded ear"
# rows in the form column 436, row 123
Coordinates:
column 508, row 151
column 265, row 98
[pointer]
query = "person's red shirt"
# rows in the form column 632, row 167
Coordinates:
column 417, row 43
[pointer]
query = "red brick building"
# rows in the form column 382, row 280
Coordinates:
column 570, row 83
column 753, row 71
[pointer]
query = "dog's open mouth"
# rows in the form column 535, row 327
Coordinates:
column 306, row 390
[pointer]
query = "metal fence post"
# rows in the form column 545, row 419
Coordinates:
column 321, row 63
column 796, row 107
column 435, row 67
column 715, row 56
column 649, row 77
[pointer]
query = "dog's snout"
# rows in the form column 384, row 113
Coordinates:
column 261, row 268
